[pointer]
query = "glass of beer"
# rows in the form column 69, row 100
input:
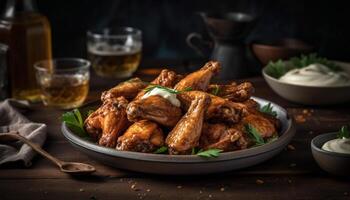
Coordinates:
column 64, row 82
column 115, row 52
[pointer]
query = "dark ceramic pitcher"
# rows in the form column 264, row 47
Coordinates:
column 227, row 31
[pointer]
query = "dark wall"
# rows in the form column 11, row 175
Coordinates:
column 166, row 23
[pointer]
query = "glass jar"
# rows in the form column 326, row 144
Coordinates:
column 28, row 37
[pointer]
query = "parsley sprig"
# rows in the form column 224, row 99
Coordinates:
column 75, row 122
column 279, row 68
column 170, row 90
column 343, row 132
column 210, row 153
column 268, row 109
column 254, row 134
column 215, row 91
column 305, row 60
column 161, row 150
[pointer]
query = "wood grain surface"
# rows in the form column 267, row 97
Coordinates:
column 293, row 174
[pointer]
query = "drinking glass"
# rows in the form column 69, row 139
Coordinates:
column 115, row 52
column 64, row 82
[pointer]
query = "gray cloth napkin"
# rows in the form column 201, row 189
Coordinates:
column 12, row 120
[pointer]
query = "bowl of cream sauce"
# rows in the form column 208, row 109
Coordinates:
column 332, row 154
column 314, row 84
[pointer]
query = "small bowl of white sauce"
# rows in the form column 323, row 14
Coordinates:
column 314, row 84
column 332, row 154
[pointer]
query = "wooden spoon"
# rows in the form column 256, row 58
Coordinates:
column 67, row 167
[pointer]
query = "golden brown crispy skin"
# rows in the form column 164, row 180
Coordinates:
column 219, row 110
column 199, row 80
column 233, row 92
column 221, row 136
column 166, row 78
column 265, row 124
column 154, row 108
column 185, row 135
column 128, row 89
column 142, row 136
column 108, row 121
column 262, row 124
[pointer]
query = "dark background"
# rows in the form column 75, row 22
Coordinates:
column 166, row 23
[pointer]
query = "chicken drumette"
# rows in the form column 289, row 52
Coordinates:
column 108, row 121
column 154, row 108
column 166, row 78
column 142, row 136
column 128, row 89
column 221, row 136
column 185, row 135
column 199, row 80
column 219, row 109
column 233, row 92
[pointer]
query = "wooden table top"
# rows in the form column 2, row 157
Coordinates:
column 293, row 174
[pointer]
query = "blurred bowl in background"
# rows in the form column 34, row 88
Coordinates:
column 272, row 50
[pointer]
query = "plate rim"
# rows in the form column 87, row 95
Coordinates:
column 285, row 137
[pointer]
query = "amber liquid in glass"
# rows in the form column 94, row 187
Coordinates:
column 118, row 63
column 28, row 35
column 64, row 91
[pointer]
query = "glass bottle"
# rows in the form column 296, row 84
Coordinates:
column 27, row 34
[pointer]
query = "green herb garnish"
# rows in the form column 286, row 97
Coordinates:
column 215, row 91
column 186, row 89
column 268, row 109
column 305, row 60
column 254, row 135
column 343, row 132
column 75, row 122
column 279, row 68
column 210, row 153
column 276, row 69
column 161, row 150
column 170, row 90
column 271, row 139
column 195, row 150
column 89, row 112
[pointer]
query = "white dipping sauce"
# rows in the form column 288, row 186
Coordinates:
column 337, row 145
column 316, row 75
column 165, row 94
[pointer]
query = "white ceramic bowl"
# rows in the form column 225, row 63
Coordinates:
column 332, row 162
column 311, row 95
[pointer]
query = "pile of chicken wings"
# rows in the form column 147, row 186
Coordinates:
column 210, row 115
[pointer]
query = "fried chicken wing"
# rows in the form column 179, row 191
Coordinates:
column 166, row 78
column 267, row 125
column 154, row 108
column 221, row 136
column 216, row 116
column 128, row 89
column 185, row 135
column 220, row 109
column 142, row 136
column 108, row 121
column 261, row 123
column 233, row 92
column 199, row 80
